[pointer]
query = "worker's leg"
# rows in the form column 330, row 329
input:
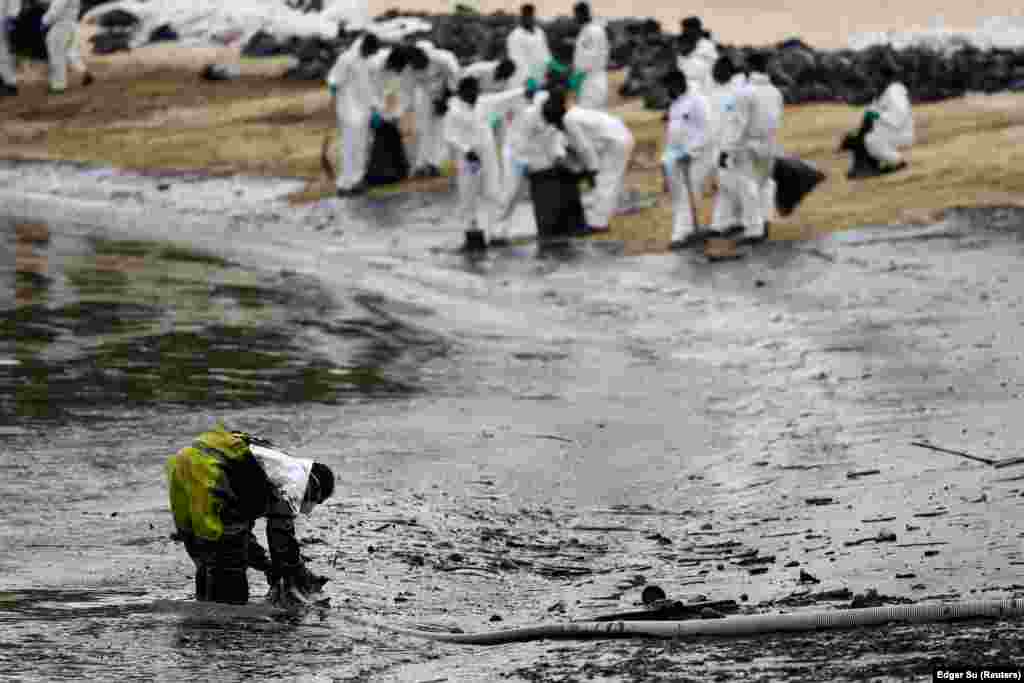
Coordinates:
column 8, row 73
column 355, row 146
column 727, row 213
column 882, row 147
column 58, row 41
column 224, row 562
column 683, row 226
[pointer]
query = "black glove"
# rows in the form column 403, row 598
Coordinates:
column 472, row 157
column 723, row 160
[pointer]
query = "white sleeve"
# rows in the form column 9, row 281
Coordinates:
column 895, row 106
column 579, row 141
column 338, row 73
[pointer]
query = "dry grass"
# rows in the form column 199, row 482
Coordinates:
column 150, row 111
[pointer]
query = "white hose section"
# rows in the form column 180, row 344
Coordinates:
column 729, row 626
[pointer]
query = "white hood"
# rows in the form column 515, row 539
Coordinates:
column 288, row 474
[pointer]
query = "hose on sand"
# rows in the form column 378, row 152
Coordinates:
column 728, row 626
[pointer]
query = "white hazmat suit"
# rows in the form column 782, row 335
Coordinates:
column 591, row 59
column 62, row 20
column 688, row 135
column 356, row 81
column 431, row 84
column 484, row 72
column 605, row 144
column 9, row 10
column 697, row 65
column 749, row 133
column 468, row 129
column 894, row 128
column 530, row 51
column 532, row 145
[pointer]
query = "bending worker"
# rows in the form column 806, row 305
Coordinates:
column 354, row 81
column 590, row 61
column 688, row 157
column 605, row 145
column 218, row 487
column 527, row 46
column 434, row 74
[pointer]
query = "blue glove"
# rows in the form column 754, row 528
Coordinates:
column 520, row 168
column 376, row 120
column 10, row 23
column 473, row 164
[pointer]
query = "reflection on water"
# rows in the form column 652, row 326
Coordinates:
column 114, row 324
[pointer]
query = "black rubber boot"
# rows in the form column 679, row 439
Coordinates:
column 476, row 241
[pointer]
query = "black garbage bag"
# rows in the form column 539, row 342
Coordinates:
column 388, row 161
column 556, row 202
column 794, row 179
column 29, row 38
column 862, row 164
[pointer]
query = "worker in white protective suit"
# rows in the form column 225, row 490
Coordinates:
column 435, row 75
column 468, row 128
column 492, row 75
column 527, row 46
column 9, row 11
column 747, row 157
column 61, row 22
column 699, row 56
column 604, row 144
column 889, row 123
column 590, row 61
column 355, row 83
column 687, row 159
column 532, row 145
column 727, row 81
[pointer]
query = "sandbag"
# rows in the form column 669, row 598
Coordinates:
column 794, row 179
column 388, row 161
column 557, row 208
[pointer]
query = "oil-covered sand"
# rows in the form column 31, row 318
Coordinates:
column 527, row 438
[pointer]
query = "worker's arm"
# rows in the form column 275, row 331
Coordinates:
column 580, row 142
column 894, row 107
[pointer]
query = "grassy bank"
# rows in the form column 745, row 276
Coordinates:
column 150, row 111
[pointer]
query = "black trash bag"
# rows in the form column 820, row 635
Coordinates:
column 29, row 38
column 557, row 208
column 119, row 18
column 794, row 179
column 862, row 164
column 388, row 161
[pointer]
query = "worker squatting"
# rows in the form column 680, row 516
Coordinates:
column 526, row 116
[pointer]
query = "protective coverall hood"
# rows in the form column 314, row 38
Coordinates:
column 287, row 474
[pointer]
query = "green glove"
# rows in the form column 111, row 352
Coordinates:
column 333, row 89
column 872, row 116
column 494, row 120
column 556, row 66
column 531, row 86
column 576, row 81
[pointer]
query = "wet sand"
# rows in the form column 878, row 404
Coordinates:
column 597, row 423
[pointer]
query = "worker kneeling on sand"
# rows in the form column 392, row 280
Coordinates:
column 888, row 126
column 218, row 487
